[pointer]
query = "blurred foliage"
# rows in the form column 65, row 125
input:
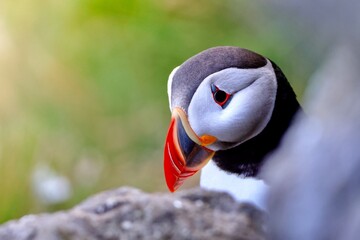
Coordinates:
column 83, row 85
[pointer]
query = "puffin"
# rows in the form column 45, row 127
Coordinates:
column 230, row 108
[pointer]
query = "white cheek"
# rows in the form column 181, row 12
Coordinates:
column 201, row 109
column 246, row 115
column 169, row 84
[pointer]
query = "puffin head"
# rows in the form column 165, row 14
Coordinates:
column 220, row 99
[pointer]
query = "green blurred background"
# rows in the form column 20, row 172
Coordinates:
column 83, row 87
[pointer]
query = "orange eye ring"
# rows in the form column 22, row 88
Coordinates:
column 220, row 97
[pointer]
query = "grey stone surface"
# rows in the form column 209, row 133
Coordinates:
column 128, row 213
column 315, row 175
column 329, row 20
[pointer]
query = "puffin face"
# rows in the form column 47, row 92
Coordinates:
column 219, row 99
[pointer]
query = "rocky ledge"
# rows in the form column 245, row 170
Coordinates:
column 128, row 213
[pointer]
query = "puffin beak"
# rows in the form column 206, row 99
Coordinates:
column 185, row 153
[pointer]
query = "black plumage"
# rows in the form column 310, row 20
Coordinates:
column 248, row 157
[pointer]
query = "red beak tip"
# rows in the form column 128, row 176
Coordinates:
column 171, row 189
column 172, row 185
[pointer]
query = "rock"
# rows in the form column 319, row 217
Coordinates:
column 315, row 174
column 128, row 213
column 329, row 21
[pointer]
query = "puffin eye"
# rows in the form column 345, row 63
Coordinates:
column 220, row 96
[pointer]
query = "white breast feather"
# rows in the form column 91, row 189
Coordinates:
column 243, row 189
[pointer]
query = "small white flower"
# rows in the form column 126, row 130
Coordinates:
column 50, row 187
